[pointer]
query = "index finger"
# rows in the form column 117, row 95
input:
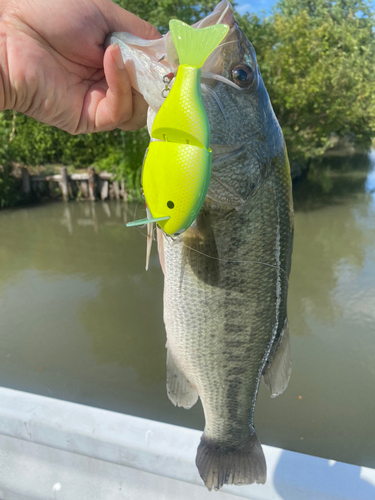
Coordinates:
column 119, row 19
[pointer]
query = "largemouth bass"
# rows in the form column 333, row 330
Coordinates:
column 226, row 277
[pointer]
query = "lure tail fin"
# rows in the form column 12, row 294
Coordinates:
column 195, row 45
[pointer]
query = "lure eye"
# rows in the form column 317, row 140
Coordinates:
column 242, row 75
column 170, row 204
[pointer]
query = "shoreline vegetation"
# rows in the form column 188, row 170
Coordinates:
column 316, row 62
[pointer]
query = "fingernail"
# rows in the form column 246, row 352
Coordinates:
column 117, row 57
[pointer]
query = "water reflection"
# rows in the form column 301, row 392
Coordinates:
column 370, row 181
column 329, row 235
column 333, row 181
column 321, row 479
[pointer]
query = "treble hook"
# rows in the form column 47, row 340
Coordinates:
column 167, row 80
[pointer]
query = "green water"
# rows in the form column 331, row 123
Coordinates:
column 81, row 320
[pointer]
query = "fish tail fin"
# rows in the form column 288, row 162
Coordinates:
column 243, row 465
column 195, row 45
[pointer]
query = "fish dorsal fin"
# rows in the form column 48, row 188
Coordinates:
column 195, row 45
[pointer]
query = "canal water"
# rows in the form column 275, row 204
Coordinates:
column 81, row 319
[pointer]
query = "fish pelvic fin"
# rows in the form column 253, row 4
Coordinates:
column 242, row 465
column 180, row 390
column 195, row 45
column 276, row 373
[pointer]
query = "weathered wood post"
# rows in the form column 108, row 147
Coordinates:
column 104, row 190
column 25, row 181
column 123, row 190
column 92, row 184
column 64, row 183
column 116, row 189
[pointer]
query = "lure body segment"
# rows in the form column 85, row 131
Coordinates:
column 180, row 190
column 182, row 118
column 177, row 168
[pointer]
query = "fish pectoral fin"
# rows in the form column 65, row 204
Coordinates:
column 277, row 371
column 222, row 193
column 200, row 250
column 180, row 391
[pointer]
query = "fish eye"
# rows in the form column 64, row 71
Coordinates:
column 242, row 75
column 170, row 204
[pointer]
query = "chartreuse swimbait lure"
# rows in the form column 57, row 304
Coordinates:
column 177, row 167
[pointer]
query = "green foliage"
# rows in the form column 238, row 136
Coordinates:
column 124, row 158
column 159, row 12
column 9, row 187
column 316, row 59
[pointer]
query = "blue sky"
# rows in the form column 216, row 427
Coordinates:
column 259, row 5
column 254, row 5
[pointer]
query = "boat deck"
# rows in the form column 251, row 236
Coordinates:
column 52, row 449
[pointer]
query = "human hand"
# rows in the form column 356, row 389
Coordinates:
column 52, row 66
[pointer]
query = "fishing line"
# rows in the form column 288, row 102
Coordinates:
column 169, row 238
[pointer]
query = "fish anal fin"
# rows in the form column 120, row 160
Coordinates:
column 180, row 391
column 242, row 465
column 277, row 372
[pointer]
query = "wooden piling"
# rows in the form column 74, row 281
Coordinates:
column 124, row 194
column 104, row 190
column 84, row 189
column 92, row 184
column 116, row 189
column 64, row 183
column 89, row 184
column 26, row 186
